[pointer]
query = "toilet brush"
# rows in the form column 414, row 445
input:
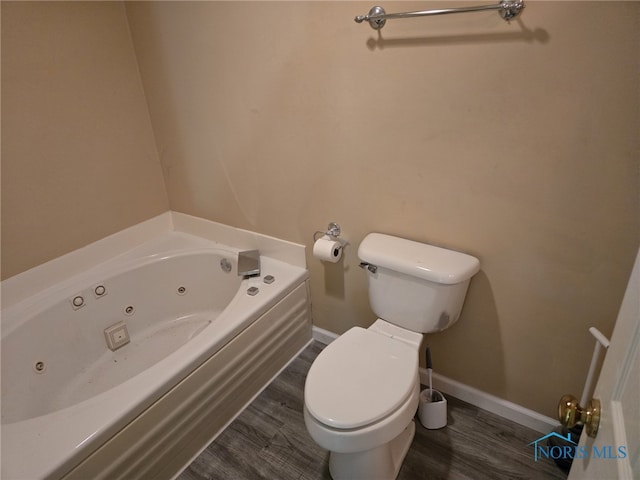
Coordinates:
column 432, row 409
column 429, row 371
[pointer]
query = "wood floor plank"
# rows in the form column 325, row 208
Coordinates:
column 269, row 441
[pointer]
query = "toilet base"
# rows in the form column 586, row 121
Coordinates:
column 380, row 463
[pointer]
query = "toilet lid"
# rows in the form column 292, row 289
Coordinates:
column 359, row 379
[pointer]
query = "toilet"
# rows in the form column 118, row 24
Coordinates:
column 362, row 391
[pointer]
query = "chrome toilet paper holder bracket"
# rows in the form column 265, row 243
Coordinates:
column 333, row 231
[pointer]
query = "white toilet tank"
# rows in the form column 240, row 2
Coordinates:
column 413, row 285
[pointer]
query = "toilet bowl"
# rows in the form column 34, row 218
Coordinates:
column 362, row 391
column 374, row 373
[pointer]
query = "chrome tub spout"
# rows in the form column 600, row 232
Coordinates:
column 249, row 263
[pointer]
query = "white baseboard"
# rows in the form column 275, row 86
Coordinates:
column 322, row 335
column 503, row 408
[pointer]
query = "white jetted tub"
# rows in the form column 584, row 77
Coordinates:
column 128, row 370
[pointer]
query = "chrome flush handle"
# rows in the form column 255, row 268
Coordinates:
column 368, row 266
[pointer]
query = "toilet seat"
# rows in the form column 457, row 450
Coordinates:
column 359, row 379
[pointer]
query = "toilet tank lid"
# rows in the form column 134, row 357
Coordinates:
column 417, row 259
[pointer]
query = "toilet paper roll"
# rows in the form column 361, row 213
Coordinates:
column 327, row 249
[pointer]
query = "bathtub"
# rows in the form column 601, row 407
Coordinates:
column 130, row 368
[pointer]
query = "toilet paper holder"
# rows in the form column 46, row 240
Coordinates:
column 333, row 231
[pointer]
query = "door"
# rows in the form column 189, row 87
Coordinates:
column 614, row 453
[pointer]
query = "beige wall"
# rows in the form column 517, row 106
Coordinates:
column 78, row 155
column 517, row 143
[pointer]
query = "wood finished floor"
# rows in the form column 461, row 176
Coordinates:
column 269, row 441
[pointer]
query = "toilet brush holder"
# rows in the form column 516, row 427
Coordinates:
column 432, row 410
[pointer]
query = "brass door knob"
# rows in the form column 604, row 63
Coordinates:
column 570, row 413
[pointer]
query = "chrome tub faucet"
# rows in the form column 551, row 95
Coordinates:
column 249, row 263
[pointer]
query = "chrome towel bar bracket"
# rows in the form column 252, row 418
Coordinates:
column 377, row 17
